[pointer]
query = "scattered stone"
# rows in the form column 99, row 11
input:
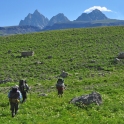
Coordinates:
column 94, row 97
column 64, row 74
column 117, row 60
column 43, row 94
column 92, row 61
column 49, row 57
column 27, row 53
column 38, row 62
column 121, row 55
column 6, row 80
column 9, row 51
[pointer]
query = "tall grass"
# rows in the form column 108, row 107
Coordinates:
column 86, row 54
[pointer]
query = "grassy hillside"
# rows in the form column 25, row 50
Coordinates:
column 86, row 54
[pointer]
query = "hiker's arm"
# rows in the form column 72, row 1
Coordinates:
column 27, row 87
column 8, row 94
column 20, row 95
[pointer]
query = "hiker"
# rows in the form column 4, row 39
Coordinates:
column 14, row 98
column 23, row 87
column 60, row 87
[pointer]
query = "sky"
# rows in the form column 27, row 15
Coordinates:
column 13, row 11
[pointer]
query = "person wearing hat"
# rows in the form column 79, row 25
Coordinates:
column 14, row 98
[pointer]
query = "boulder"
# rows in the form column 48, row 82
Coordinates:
column 27, row 53
column 64, row 74
column 43, row 94
column 121, row 55
column 116, row 60
column 94, row 97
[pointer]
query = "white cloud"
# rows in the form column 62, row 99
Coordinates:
column 97, row 7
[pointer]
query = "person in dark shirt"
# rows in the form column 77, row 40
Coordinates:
column 14, row 98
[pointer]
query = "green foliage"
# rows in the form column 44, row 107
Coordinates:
column 86, row 54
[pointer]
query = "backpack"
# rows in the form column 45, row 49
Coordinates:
column 60, row 83
column 22, row 86
column 14, row 95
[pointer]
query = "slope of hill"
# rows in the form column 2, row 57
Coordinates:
column 87, row 55
column 56, row 49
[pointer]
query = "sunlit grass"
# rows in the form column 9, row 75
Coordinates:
column 88, row 57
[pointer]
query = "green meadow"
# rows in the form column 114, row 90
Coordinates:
column 86, row 54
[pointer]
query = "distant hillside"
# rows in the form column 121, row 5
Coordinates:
column 54, row 51
column 85, row 24
column 18, row 30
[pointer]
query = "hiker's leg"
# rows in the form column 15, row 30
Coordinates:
column 25, row 96
column 10, row 106
column 12, row 109
column 59, row 93
column 22, row 96
column 16, row 108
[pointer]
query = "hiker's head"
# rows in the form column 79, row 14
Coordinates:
column 17, row 86
column 21, row 82
column 14, row 89
column 60, row 80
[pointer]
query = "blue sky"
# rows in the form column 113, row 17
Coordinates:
column 12, row 11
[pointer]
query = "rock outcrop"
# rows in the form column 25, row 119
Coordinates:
column 94, row 97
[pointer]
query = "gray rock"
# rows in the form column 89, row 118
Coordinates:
column 64, row 74
column 43, row 94
column 121, row 55
column 94, row 97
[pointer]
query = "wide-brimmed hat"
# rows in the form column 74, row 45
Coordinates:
column 17, row 86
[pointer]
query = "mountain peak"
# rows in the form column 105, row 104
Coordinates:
column 92, row 16
column 96, row 10
column 59, row 18
column 35, row 19
column 97, row 15
column 36, row 12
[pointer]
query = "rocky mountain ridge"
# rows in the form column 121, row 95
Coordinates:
column 94, row 15
column 37, row 22
column 36, row 19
